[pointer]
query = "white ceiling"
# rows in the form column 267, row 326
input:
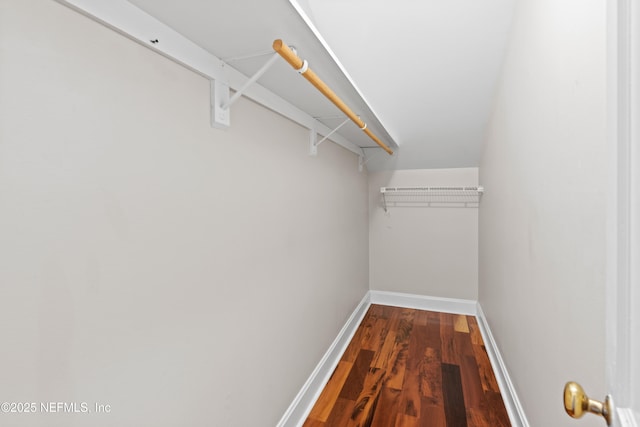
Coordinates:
column 421, row 73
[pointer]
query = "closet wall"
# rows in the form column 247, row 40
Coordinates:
column 422, row 250
column 181, row 274
column 542, row 218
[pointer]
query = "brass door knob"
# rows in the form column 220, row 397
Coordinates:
column 576, row 403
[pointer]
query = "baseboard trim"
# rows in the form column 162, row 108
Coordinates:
column 299, row 409
column 508, row 391
column 421, row 302
column 310, row 391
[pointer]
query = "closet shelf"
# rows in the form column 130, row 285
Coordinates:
column 430, row 196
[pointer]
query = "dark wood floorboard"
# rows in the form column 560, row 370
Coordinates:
column 454, row 408
column 412, row 368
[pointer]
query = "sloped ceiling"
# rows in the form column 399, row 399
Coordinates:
column 422, row 73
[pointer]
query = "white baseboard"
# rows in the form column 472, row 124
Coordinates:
column 508, row 391
column 421, row 302
column 310, row 391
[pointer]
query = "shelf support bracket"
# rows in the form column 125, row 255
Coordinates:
column 229, row 102
column 332, row 132
column 313, row 149
column 363, row 161
column 313, row 142
column 221, row 102
column 220, row 117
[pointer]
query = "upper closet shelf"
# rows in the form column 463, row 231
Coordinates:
column 431, row 196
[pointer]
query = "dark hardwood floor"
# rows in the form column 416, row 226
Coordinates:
column 410, row 368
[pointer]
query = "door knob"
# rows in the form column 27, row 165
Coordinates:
column 576, row 403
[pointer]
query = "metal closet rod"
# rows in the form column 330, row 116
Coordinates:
column 303, row 68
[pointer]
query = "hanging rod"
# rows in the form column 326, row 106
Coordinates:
column 303, row 68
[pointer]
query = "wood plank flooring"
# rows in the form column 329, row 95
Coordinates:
column 412, row 368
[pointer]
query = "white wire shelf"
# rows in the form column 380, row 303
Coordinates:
column 430, row 196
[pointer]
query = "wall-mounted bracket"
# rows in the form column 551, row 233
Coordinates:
column 221, row 102
column 251, row 81
column 333, row 131
column 314, row 143
column 363, row 160
column 220, row 116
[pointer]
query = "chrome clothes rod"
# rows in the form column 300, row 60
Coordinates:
column 303, row 68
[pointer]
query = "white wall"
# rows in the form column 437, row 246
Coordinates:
column 542, row 218
column 181, row 274
column 423, row 250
